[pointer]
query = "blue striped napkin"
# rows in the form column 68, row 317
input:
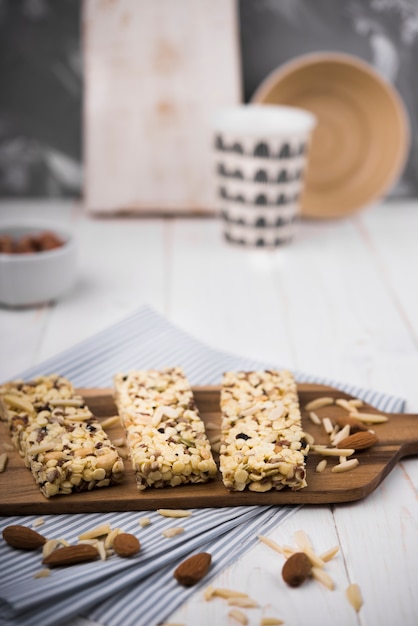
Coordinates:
column 141, row 589
column 147, row 340
column 144, row 586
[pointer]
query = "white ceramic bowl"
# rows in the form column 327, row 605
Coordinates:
column 361, row 142
column 38, row 277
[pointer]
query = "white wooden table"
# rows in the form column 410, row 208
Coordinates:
column 341, row 301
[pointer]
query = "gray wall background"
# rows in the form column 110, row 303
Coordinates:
column 40, row 98
column 41, row 86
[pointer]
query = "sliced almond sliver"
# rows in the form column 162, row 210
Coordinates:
column 342, row 434
column 99, row 531
column 321, row 576
column 244, row 603
column 110, row 421
column 329, row 554
column 302, row 540
column 172, row 532
column 271, row 544
column 3, row 461
column 77, row 402
column 238, row 616
column 321, row 466
column 328, row 426
column 354, row 596
column 17, row 402
column 314, row 418
column 174, row 512
column 42, row 573
column 43, row 447
column 318, row 403
column 370, row 418
column 228, row 593
column 346, row 466
column 324, row 451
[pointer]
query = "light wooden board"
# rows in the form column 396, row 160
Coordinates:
column 397, row 438
column 155, row 72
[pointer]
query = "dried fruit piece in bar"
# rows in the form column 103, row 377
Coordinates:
column 60, row 440
column 262, row 441
column 164, row 431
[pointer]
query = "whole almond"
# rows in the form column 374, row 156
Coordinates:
column 355, row 424
column 126, row 545
column 193, row 569
column 23, row 538
column 71, row 555
column 358, row 441
column 296, row 569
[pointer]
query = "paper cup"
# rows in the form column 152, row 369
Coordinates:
column 260, row 155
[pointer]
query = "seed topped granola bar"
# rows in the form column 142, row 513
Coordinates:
column 164, row 431
column 60, row 440
column 262, row 441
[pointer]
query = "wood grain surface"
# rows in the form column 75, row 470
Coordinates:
column 398, row 437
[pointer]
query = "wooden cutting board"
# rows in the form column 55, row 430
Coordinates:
column 398, row 437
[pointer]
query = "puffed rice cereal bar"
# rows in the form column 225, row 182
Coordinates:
column 262, row 441
column 164, row 431
column 60, row 440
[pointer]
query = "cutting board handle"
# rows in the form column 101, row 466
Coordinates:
column 406, row 436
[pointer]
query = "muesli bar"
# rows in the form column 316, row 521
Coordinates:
column 262, row 441
column 60, row 440
column 164, row 431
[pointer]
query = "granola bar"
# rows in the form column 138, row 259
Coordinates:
column 60, row 440
column 164, row 431
column 262, row 441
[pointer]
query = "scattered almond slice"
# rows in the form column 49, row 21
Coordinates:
column 345, row 467
column 371, row 418
column 39, row 521
column 100, row 547
column 354, row 596
column 110, row 421
column 238, row 616
column 51, row 545
column 221, row 592
column 329, row 554
column 99, row 531
column 318, row 403
column 341, row 434
column 244, row 603
column 321, row 466
column 42, row 573
column 209, row 593
column 174, row 512
column 144, row 521
column 108, row 542
column 271, row 544
column 315, row 419
column 345, row 404
column 321, row 576
column 120, row 442
column 325, row 451
column 172, row 532
column 328, row 425
column 3, row 462
column 302, row 540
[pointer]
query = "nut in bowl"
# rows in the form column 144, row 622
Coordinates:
column 260, row 158
column 37, row 265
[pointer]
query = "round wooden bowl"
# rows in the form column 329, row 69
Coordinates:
column 361, row 141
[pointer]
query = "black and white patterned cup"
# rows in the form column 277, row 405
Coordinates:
column 260, row 156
